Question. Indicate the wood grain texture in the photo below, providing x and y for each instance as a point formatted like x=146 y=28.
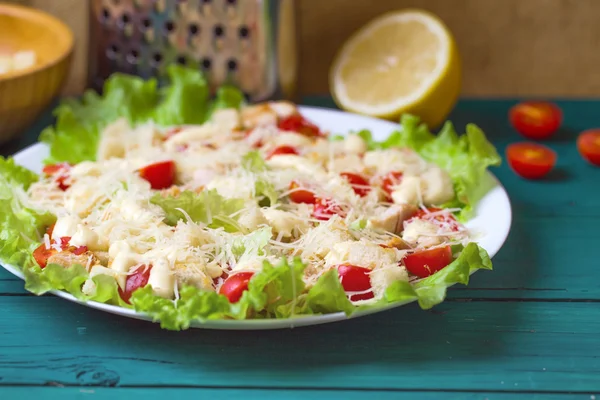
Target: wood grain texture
x=482 y=346
x=96 y=393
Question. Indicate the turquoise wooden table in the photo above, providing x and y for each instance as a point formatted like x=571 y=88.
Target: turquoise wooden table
x=529 y=329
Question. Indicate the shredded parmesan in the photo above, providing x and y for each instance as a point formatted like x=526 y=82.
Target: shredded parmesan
x=109 y=197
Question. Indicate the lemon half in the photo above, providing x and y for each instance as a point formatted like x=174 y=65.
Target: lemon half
x=401 y=62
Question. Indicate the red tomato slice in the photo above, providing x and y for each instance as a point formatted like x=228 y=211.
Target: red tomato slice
x=282 y=150
x=42 y=254
x=326 y=208
x=297 y=123
x=235 y=286
x=61 y=171
x=428 y=262
x=588 y=144
x=355 y=279
x=301 y=195
x=536 y=119
x=135 y=280
x=391 y=179
x=359 y=184
x=530 y=160
x=161 y=175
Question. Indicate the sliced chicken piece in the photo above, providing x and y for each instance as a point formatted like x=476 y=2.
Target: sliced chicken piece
x=257 y=115
x=102 y=257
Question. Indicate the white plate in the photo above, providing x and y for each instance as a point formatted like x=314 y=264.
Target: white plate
x=492 y=222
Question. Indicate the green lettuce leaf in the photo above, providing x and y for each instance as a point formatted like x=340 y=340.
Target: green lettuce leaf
x=328 y=296
x=207 y=207
x=466 y=157
x=192 y=305
x=21 y=227
x=185 y=100
x=253 y=243
x=253 y=162
x=227 y=97
x=273 y=291
x=71 y=279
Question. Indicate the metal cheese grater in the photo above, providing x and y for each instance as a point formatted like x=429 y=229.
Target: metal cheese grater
x=249 y=43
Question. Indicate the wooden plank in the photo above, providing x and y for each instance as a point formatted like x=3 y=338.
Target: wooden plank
x=95 y=393
x=487 y=346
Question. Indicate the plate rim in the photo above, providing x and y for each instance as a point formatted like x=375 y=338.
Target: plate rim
x=264 y=324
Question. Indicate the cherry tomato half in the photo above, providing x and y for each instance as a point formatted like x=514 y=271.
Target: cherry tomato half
x=235 y=286
x=391 y=179
x=60 y=172
x=588 y=144
x=355 y=279
x=282 y=150
x=135 y=280
x=326 y=208
x=41 y=254
x=297 y=123
x=161 y=175
x=536 y=119
x=530 y=160
x=359 y=184
x=428 y=262
x=299 y=195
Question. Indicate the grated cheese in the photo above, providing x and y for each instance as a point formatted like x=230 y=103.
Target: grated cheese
x=107 y=204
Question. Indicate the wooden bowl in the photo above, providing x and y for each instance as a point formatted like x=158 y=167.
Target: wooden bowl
x=26 y=93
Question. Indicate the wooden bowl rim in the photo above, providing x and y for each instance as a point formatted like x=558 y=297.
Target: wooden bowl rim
x=50 y=22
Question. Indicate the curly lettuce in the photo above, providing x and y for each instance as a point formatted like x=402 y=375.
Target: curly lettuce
x=185 y=100
x=264 y=190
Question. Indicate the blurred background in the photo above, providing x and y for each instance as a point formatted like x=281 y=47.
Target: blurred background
x=510 y=48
